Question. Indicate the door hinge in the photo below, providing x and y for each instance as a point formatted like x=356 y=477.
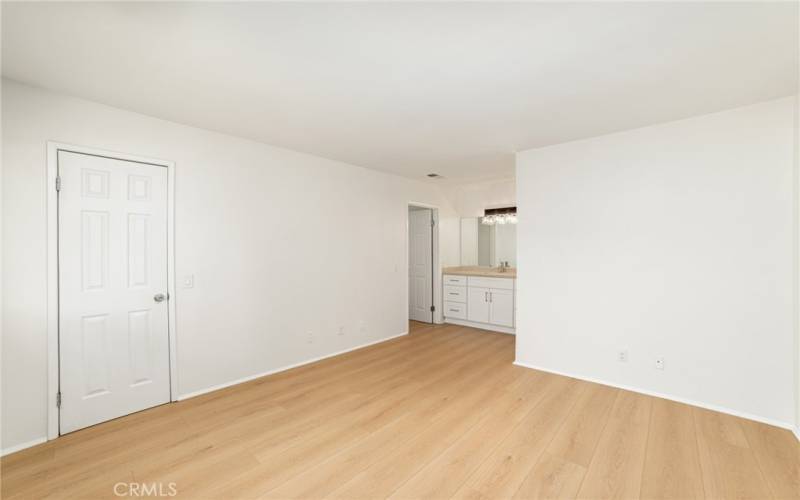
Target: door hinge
x=58 y=399
x=433 y=308
x=58 y=183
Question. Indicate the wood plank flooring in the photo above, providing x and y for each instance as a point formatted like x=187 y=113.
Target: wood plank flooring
x=440 y=413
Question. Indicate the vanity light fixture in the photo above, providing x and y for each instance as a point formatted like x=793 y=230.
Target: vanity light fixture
x=506 y=215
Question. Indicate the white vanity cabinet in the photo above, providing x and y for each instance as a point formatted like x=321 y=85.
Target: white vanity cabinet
x=491 y=305
x=455 y=297
x=501 y=308
x=478 y=304
x=479 y=301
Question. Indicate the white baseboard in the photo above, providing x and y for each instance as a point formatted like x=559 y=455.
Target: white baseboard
x=481 y=326
x=797 y=433
x=22 y=446
x=283 y=368
x=699 y=404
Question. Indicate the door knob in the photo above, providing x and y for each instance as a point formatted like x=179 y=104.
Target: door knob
x=159 y=297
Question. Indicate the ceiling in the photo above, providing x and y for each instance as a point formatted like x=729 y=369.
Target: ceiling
x=409 y=88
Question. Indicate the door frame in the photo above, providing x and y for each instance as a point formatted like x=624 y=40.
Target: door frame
x=437 y=266
x=53 y=356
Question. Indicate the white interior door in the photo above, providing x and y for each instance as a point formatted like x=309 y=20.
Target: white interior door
x=112 y=247
x=420 y=265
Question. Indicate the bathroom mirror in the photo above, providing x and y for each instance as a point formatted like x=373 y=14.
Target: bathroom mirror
x=487 y=245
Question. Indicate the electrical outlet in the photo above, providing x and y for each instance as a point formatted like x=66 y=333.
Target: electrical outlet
x=341 y=330
x=659 y=363
x=310 y=337
x=188 y=281
x=622 y=356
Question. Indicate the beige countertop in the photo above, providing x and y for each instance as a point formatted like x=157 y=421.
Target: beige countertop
x=492 y=272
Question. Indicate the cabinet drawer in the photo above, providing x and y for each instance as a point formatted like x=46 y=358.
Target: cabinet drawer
x=452 y=279
x=455 y=310
x=500 y=283
x=455 y=293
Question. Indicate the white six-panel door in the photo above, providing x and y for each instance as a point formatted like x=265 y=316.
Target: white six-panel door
x=112 y=261
x=420 y=265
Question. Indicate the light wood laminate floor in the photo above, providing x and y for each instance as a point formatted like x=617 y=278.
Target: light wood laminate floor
x=440 y=413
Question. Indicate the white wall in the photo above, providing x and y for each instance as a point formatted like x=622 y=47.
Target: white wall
x=469 y=241
x=280 y=243
x=797 y=262
x=469 y=199
x=674 y=240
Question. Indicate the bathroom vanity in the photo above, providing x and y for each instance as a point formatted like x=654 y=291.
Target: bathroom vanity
x=480 y=297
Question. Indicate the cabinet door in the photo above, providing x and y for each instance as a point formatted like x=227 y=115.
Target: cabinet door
x=478 y=304
x=501 y=307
